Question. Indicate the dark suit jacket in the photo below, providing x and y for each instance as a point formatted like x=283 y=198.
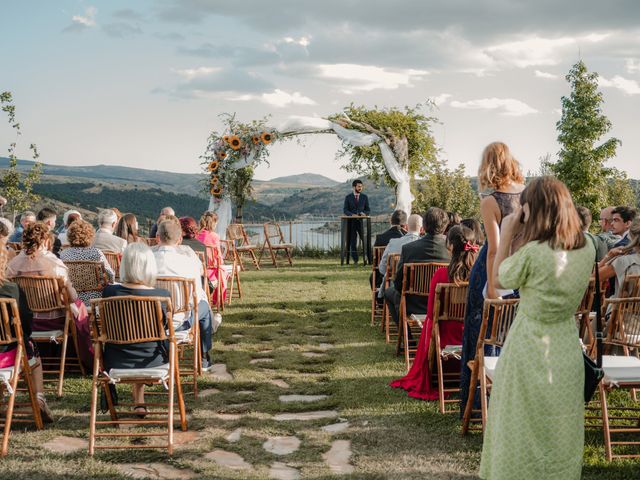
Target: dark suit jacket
x=350 y=207
x=430 y=248
x=623 y=242
x=382 y=239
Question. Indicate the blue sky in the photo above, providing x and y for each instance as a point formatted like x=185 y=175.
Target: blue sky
x=142 y=83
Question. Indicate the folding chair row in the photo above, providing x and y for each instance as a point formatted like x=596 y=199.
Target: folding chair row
x=377 y=307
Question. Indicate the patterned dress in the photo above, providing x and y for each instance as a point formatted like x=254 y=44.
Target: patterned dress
x=535 y=426
x=87 y=254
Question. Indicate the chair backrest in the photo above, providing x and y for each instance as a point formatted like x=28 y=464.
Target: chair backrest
x=235 y=231
x=273 y=233
x=183 y=293
x=392 y=266
x=377 y=255
x=497 y=316
x=10 y=328
x=450 y=302
x=87 y=276
x=625 y=322
x=587 y=299
x=17 y=246
x=211 y=257
x=630 y=286
x=114 y=260
x=417 y=277
x=131 y=319
x=43 y=293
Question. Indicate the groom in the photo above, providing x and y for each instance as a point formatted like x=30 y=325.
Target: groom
x=356 y=204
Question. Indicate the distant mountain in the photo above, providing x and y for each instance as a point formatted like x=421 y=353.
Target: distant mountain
x=312 y=179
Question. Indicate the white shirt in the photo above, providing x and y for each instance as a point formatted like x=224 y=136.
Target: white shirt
x=394 y=246
x=105 y=240
x=180 y=261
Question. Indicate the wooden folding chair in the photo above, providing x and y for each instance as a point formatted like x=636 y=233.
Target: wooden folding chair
x=87 y=276
x=583 y=315
x=388 y=327
x=44 y=295
x=497 y=316
x=128 y=320
x=11 y=334
x=239 y=242
x=621 y=372
x=376 y=307
x=17 y=246
x=274 y=242
x=416 y=281
x=114 y=260
x=450 y=305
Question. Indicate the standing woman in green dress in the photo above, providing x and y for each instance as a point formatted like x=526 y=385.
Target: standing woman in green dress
x=535 y=426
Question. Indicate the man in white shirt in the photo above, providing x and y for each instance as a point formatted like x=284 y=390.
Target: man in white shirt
x=173 y=261
x=414 y=225
x=105 y=240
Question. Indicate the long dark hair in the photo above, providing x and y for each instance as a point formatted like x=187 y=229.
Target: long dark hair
x=464 y=251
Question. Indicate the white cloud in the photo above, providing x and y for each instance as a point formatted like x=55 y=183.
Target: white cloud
x=505 y=106
x=629 y=87
x=368 y=77
x=278 y=98
x=540 y=74
x=88 y=19
x=191 y=73
x=632 y=65
x=440 y=99
x=302 y=41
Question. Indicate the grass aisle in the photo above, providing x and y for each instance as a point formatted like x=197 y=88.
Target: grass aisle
x=302 y=331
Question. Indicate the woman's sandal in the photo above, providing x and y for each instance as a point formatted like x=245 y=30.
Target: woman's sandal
x=142 y=411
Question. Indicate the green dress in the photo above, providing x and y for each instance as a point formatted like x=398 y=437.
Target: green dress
x=535 y=427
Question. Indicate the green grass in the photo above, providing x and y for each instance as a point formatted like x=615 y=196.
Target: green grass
x=286 y=312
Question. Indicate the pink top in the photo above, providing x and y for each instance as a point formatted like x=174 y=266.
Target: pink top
x=210 y=238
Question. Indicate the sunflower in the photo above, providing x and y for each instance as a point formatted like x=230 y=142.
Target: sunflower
x=221 y=154
x=266 y=138
x=213 y=165
x=235 y=142
x=216 y=191
x=256 y=139
x=214 y=180
x=225 y=138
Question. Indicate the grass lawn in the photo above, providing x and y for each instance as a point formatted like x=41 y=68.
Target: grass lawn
x=315 y=307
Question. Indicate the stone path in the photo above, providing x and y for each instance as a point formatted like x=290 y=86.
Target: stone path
x=338 y=457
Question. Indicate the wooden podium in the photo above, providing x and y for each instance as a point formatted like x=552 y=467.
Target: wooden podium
x=347 y=223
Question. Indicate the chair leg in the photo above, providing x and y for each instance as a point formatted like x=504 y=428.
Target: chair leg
x=9 y=411
x=181 y=406
x=254 y=259
x=405 y=333
x=28 y=380
x=438 y=356
x=606 y=428
x=173 y=373
x=483 y=398
x=468 y=409
x=273 y=256
x=94 y=407
x=288 y=251
x=63 y=358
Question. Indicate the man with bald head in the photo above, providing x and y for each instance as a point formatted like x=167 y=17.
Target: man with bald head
x=606 y=235
x=165 y=212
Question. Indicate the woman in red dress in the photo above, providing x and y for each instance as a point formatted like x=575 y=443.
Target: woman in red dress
x=208 y=236
x=462 y=244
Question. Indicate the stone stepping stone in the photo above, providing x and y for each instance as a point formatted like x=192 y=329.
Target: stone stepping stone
x=228 y=416
x=281 y=445
x=304 y=416
x=234 y=436
x=237 y=335
x=64 y=444
x=236 y=406
x=260 y=360
x=184 y=438
x=278 y=382
x=265 y=350
x=245 y=392
x=280 y=471
x=317 y=337
x=208 y=392
x=337 y=458
x=313 y=354
x=228 y=459
x=301 y=398
x=156 y=471
x=326 y=346
x=336 y=427
x=219 y=372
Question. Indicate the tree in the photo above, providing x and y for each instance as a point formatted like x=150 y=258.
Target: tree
x=450 y=190
x=18 y=187
x=582 y=159
x=619 y=189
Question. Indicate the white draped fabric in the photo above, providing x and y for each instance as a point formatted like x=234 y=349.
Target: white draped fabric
x=299 y=125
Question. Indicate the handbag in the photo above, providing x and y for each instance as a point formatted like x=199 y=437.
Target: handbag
x=593 y=371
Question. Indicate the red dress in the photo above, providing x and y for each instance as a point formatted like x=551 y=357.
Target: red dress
x=418 y=382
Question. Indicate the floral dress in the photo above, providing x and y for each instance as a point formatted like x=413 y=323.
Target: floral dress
x=535 y=426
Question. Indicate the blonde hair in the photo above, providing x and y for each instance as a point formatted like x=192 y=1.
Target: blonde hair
x=498 y=168
x=208 y=221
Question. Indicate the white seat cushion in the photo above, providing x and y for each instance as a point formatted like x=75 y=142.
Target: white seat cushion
x=490 y=364
x=452 y=351
x=47 y=334
x=5 y=374
x=621 y=369
x=183 y=336
x=160 y=372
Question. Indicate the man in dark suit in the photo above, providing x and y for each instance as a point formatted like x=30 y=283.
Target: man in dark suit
x=621 y=218
x=356 y=204
x=397 y=230
x=430 y=248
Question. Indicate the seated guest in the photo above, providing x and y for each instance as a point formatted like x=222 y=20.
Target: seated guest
x=454 y=219
x=621 y=218
x=464 y=250
x=175 y=262
x=606 y=227
x=36 y=259
x=138 y=272
x=585 y=220
x=105 y=240
x=166 y=211
x=189 y=234
x=6 y=229
x=80 y=235
x=398 y=229
x=395 y=244
x=69 y=217
x=127 y=228
x=49 y=216
x=430 y=248
x=11 y=290
x=208 y=236
x=474 y=225
x=622 y=261
x=26 y=218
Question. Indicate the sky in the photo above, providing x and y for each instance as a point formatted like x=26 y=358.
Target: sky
x=143 y=83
